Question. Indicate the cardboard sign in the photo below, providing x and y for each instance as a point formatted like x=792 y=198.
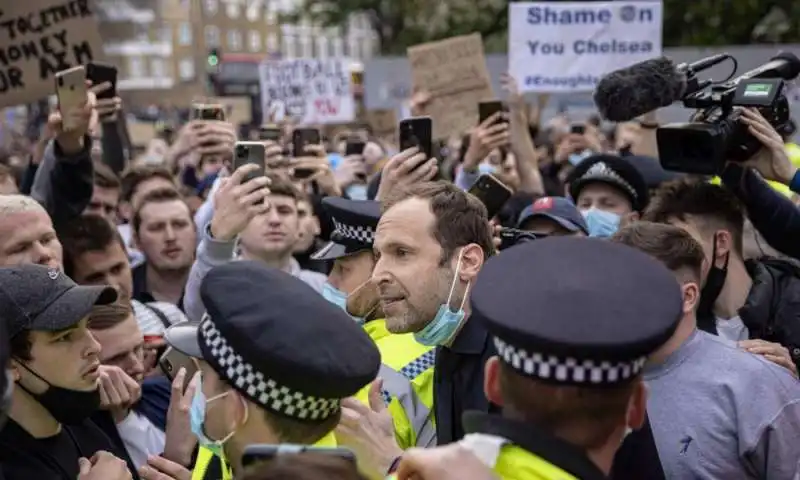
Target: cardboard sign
x=308 y=91
x=39 y=38
x=237 y=109
x=454 y=72
x=383 y=121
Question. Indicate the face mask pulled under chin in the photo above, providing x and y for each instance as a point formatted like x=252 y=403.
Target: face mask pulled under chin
x=715 y=282
x=445 y=325
x=69 y=407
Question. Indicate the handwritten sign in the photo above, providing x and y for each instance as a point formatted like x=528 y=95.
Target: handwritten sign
x=310 y=91
x=39 y=38
x=568 y=46
x=454 y=72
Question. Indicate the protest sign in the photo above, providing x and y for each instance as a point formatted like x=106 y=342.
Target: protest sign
x=308 y=91
x=454 y=72
x=567 y=47
x=39 y=38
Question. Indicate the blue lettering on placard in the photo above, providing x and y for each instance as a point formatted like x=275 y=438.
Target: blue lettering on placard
x=546 y=48
x=574 y=81
x=557 y=16
x=591 y=47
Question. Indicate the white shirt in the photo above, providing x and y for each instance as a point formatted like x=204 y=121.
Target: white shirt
x=141 y=438
x=732 y=329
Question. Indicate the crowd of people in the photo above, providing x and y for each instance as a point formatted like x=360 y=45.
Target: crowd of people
x=170 y=315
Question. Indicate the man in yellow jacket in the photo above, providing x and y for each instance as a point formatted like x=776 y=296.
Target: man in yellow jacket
x=407 y=366
x=275 y=360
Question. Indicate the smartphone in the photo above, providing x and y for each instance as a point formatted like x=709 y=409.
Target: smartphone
x=491 y=192
x=101 y=73
x=202 y=111
x=302 y=137
x=172 y=361
x=577 y=128
x=512 y=236
x=250 y=153
x=354 y=147
x=262 y=452
x=71 y=92
x=487 y=109
x=417 y=132
x=270 y=133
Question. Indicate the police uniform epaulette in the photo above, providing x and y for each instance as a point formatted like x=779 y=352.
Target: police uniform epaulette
x=278 y=342
x=354 y=224
x=577 y=311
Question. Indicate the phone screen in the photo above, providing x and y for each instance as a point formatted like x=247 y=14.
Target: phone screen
x=417 y=132
x=577 y=128
x=487 y=109
x=354 y=147
x=491 y=192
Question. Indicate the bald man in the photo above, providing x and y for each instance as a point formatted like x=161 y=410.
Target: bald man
x=27 y=234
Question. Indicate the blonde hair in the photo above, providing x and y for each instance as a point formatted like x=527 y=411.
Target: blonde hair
x=16 y=203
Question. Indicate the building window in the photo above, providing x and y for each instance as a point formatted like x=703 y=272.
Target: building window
x=212 y=36
x=212 y=6
x=136 y=67
x=322 y=46
x=254 y=41
x=232 y=10
x=338 y=47
x=157 y=68
x=166 y=34
x=186 y=69
x=271 y=11
x=253 y=10
x=235 y=40
x=289 y=43
x=272 y=43
x=306 y=45
x=185 y=34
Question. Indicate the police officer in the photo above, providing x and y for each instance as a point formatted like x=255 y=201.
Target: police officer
x=276 y=360
x=573 y=320
x=407 y=365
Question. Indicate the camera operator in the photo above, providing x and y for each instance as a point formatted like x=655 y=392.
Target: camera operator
x=773 y=215
x=753 y=302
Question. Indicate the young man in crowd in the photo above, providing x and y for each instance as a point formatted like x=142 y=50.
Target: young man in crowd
x=553 y=216
x=607 y=189
x=105 y=194
x=163 y=230
x=56 y=367
x=754 y=302
x=27 y=234
x=705 y=421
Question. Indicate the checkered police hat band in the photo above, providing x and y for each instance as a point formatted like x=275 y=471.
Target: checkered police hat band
x=265 y=391
x=601 y=171
x=358 y=233
x=565 y=369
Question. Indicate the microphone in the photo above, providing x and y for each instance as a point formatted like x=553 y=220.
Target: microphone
x=630 y=92
x=784 y=65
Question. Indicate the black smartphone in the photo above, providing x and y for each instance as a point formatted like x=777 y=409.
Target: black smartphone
x=202 y=111
x=487 y=109
x=491 y=192
x=302 y=137
x=270 y=133
x=245 y=153
x=417 y=132
x=577 y=128
x=99 y=73
x=354 y=147
x=512 y=236
x=262 y=452
x=172 y=361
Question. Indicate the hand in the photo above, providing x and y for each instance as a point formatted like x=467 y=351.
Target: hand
x=406 y=168
x=774 y=352
x=118 y=391
x=369 y=432
x=237 y=202
x=351 y=170
x=159 y=468
x=273 y=156
x=316 y=161
x=453 y=462
x=571 y=143
x=179 y=443
x=108 y=108
x=516 y=101
x=772 y=161
x=103 y=466
x=215 y=138
x=496 y=239
x=490 y=134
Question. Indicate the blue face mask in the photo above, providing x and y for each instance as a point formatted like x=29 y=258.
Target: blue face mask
x=357 y=191
x=443 y=327
x=197 y=417
x=601 y=224
x=339 y=298
x=576 y=158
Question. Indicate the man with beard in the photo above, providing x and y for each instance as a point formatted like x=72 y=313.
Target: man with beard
x=55 y=365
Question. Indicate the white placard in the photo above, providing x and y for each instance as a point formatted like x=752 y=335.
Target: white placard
x=567 y=47
x=309 y=91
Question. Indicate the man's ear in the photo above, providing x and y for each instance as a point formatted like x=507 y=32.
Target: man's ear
x=471 y=262
x=691 y=297
x=725 y=242
x=491 y=381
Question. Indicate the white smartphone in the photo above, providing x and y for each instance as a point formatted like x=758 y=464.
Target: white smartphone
x=71 y=92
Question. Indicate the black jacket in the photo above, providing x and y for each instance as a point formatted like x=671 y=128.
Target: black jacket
x=772 y=309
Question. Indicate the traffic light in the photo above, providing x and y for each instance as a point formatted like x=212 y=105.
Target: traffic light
x=213 y=59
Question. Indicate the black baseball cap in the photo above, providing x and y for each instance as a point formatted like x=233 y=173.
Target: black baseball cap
x=35 y=297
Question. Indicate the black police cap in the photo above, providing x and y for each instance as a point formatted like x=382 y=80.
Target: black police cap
x=611 y=170
x=577 y=311
x=354 y=223
x=278 y=342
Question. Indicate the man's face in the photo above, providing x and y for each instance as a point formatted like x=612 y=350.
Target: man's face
x=273 y=233
x=603 y=197
x=351 y=275
x=407 y=272
x=166 y=235
x=67 y=358
x=29 y=237
x=308 y=226
x=105 y=267
x=549 y=227
x=123 y=346
x=104 y=202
